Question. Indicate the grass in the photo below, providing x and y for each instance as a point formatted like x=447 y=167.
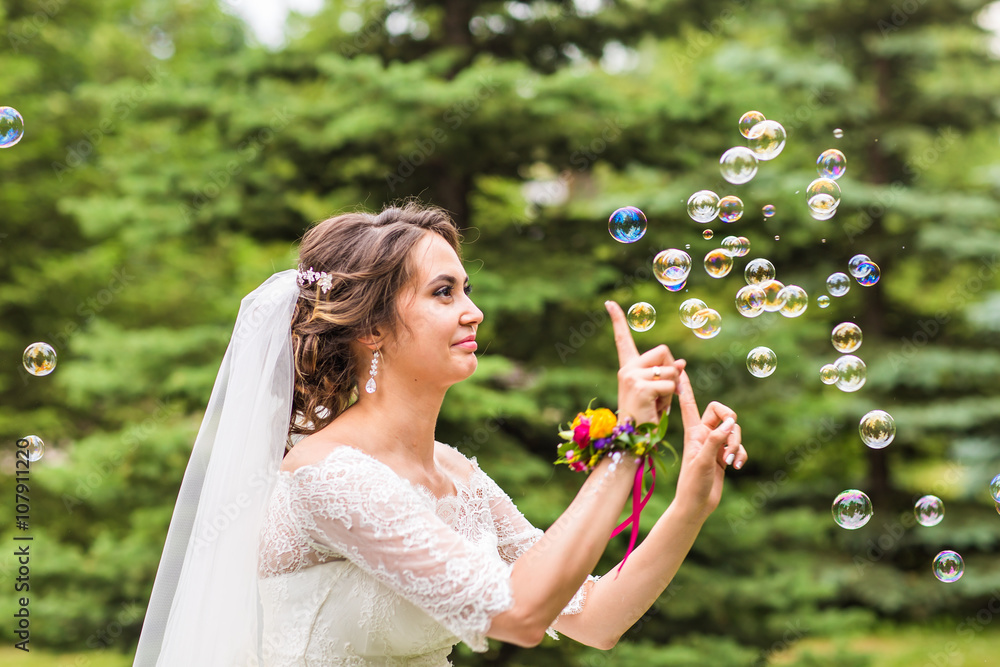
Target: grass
x=12 y=657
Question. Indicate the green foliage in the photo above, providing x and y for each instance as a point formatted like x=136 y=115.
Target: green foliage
x=151 y=192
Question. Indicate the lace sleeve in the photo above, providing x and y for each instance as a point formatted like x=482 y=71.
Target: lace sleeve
x=359 y=508
x=515 y=535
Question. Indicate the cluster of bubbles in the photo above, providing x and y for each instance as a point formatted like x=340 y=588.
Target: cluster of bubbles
x=11 y=127
x=39 y=359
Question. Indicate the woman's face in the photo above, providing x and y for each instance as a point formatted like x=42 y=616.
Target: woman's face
x=435 y=341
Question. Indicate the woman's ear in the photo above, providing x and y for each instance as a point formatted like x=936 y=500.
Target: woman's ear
x=372 y=340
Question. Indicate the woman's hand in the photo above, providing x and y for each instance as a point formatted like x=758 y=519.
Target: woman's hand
x=711 y=442
x=647 y=381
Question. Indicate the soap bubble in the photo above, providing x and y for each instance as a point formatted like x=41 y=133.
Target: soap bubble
x=738 y=165
x=948 y=566
x=858 y=265
x=768 y=210
x=838 y=133
x=761 y=361
x=730 y=208
x=794 y=300
x=877 y=429
x=703 y=206
x=675 y=287
x=750 y=300
x=823 y=195
x=641 y=316
x=748 y=120
x=852 y=509
x=707 y=234
x=995 y=488
x=773 y=296
x=758 y=270
x=929 y=511
x=11 y=127
x=627 y=224
x=829 y=374
x=870 y=274
x=690 y=310
x=743 y=248
x=711 y=326
x=718 y=263
x=846 y=337
x=838 y=284
x=823 y=301
x=736 y=246
x=33 y=446
x=766 y=139
x=777 y=238
x=822 y=214
x=831 y=164
x=39 y=359
x=671 y=267
x=851 y=373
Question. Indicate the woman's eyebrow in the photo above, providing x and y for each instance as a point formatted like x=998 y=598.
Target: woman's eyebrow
x=447 y=278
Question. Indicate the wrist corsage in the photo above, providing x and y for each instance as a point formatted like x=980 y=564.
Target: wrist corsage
x=596 y=434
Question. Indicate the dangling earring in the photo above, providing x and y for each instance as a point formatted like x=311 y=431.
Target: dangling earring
x=373 y=371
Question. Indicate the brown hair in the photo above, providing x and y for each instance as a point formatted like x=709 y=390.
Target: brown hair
x=369 y=260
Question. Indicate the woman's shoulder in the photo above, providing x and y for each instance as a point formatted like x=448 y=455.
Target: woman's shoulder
x=314 y=451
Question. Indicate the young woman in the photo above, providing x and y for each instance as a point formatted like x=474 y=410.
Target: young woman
x=379 y=545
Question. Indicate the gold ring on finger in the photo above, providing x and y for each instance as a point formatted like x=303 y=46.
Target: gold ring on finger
x=656 y=372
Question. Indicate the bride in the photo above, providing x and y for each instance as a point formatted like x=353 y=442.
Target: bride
x=367 y=542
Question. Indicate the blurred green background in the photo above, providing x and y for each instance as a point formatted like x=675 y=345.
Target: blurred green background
x=170 y=163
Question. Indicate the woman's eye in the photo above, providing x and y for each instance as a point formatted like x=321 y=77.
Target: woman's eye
x=468 y=289
x=444 y=291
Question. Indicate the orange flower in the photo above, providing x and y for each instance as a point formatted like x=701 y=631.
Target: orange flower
x=602 y=423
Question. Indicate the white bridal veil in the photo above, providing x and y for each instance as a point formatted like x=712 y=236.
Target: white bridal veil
x=204 y=609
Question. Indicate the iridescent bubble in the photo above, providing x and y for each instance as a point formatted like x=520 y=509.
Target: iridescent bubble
x=846 y=337
x=33 y=446
x=736 y=246
x=768 y=210
x=948 y=566
x=641 y=316
x=852 y=509
x=929 y=511
x=851 y=373
x=823 y=195
x=877 y=429
x=748 y=120
x=766 y=139
x=995 y=488
x=750 y=300
x=831 y=163
x=823 y=301
x=707 y=234
x=738 y=165
x=856 y=265
x=777 y=238
x=829 y=374
x=871 y=274
x=11 y=127
x=761 y=361
x=773 y=295
x=718 y=263
x=703 y=206
x=822 y=215
x=711 y=326
x=838 y=133
x=676 y=287
x=671 y=267
x=627 y=224
x=838 y=284
x=758 y=270
x=39 y=359
x=794 y=300
x=730 y=208
x=690 y=310
x=743 y=248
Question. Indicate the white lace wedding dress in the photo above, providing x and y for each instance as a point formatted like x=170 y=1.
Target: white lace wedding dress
x=358 y=566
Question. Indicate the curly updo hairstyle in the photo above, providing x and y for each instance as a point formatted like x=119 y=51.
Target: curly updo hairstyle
x=369 y=258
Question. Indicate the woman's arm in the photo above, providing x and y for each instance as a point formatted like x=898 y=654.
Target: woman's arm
x=615 y=603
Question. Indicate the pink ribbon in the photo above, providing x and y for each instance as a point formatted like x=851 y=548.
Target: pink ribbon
x=638 y=503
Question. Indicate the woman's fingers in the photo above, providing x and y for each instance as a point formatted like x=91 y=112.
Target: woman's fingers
x=733 y=453
x=689 y=406
x=716 y=413
x=623 y=335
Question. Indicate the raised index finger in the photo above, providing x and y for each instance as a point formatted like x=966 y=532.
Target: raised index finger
x=690 y=416
x=623 y=335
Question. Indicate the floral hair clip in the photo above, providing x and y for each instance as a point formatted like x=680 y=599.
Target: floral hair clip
x=321 y=278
